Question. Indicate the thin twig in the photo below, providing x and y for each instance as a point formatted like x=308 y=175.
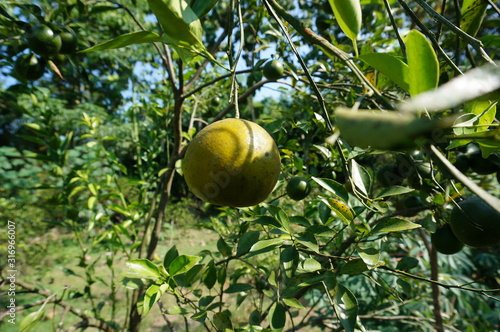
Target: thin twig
x=474 y=42
x=331 y=50
x=429 y=35
x=395 y=27
x=494 y=6
x=484 y=292
x=321 y=100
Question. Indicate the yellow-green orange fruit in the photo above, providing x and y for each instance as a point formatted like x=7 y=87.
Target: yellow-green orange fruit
x=232 y=162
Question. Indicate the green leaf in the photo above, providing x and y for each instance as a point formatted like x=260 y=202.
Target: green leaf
x=38 y=156
x=423 y=65
x=223 y=247
x=222 y=322
x=301 y=281
x=120 y=209
x=333 y=187
x=210 y=277
x=247 y=240
x=182 y=28
x=485 y=112
x=405 y=286
x=294 y=303
x=340 y=208
x=360 y=177
x=142 y=268
x=481 y=82
x=202 y=7
x=92 y=200
x=393 y=191
x=309 y=265
x=93 y=189
x=277 y=314
x=76 y=190
x=238 y=287
x=488 y=147
x=267 y=220
x=346 y=307
x=391 y=66
x=407 y=263
x=31 y=321
x=126 y=40
x=152 y=295
x=200 y=316
x=171 y=254
x=348 y=15
x=369 y=255
x=265 y=246
x=289 y=258
x=182 y=264
x=33 y=139
x=280 y=216
x=355 y=266
x=472 y=15
x=308 y=240
x=394 y=225
x=176 y=310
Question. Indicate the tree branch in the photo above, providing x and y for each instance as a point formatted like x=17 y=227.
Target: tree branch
x=313 y=39
x=484 y=292
x=434 y=276
x=90 y=321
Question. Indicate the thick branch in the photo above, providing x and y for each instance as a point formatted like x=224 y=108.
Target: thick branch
x=436 y=293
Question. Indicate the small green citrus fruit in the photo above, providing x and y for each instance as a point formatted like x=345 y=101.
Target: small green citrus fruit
x=29 y=67
x=44 y=41
x=273 y=70
x=69 y=41
x=298 y=188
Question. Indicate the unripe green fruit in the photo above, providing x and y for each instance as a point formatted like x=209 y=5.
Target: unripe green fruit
x=475 y=223
x=445 y=241
x=298 y=188
x=273 y=70
x=29 y=67
x=462 y=163
x=69 y=41
x=44 y=41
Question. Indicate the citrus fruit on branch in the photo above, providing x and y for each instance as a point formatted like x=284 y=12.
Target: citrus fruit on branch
x=445 y=241
x=232 y=162
x=475 y=223
x=44 y=41
x=29 y=67
x=298 y=188
x=69 y=41
x=273 y=70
